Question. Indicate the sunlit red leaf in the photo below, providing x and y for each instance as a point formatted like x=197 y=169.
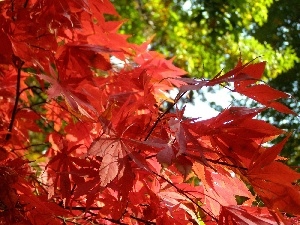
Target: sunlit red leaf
x=111 y=150
x=216 y=185
x=74 y=103
x=274 y=183
x=235 y=215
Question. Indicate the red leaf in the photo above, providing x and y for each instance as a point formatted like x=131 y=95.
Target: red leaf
x=215 y=185
x=74 y=103
x=177 y=128
x=230 y=76
x=104 y=7
x=269 y=155
x=112 y=150
x=255 y=70
x=39 y=210
x=236 y=215
x=183 y=165
x=165 y=154
x=273 y=183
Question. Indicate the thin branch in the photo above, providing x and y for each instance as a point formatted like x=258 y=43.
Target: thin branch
x=65 y=220
x=143 y=221
x=226 y=164
x=82 y=208
x=30 y=146
x=114 y=221
x=183 y=193
x=12 y=10
x=25 y=3
x=18 y=64
x=162 y=115
x=31 y=88
x=31 y=106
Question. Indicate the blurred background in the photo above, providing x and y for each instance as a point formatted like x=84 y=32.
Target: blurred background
x=206 y=36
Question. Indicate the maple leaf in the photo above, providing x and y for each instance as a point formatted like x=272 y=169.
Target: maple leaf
x=111 y=149
x=239 y=121
x=74 y=103
x=245 y=78
x=215 y=186
x=245 y=82
x=162 y=71
x=268 y=155
x=165 y=154
x=264 y=172
x=233 y=74
x=83 y=57
x=173 y=200
x=265 y=95
x=103 y=7
x=38 y=210
x=235 y=136
x=62 y=163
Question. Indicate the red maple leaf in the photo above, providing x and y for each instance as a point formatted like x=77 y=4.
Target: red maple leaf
x=112 y=150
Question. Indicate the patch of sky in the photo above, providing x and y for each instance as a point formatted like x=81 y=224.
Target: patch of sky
x=202 y=106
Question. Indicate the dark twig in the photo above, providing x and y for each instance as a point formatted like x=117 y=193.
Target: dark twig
x=25 y=3
x=185 y=194
x=226 y=164
x=163 y=114
x=13 y=9
x=109 y=219
x=142 y=221
x=82 y=208
x=18 y=64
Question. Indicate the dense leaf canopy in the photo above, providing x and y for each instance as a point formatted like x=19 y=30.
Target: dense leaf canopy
x=108 y=151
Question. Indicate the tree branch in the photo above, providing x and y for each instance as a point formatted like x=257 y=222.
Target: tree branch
x=18 y=63
x=82 y=208
x=142 y=221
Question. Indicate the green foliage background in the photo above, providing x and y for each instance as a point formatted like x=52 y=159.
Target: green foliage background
x=205 y=35
x=281 y=30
